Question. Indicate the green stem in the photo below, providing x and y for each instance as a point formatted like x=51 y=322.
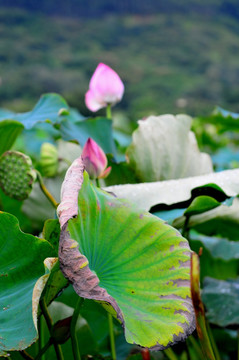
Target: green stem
x=44 y=349
x=185 y=231
x=203 y=336
x=45 y=191
x=108 y=112
x=196 y=347
x=59 y=354
x=170 y=354
x=46 y=314
x=97 y=181
x=112 y=338
x=74 y=342
x=41 y=336
x=213 y=343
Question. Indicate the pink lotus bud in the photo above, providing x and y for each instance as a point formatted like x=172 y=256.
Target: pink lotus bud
x=95 y=160
x=105 y=88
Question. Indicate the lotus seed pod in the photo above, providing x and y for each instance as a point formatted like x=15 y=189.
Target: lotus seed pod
x=16 y=174
x=49 y=160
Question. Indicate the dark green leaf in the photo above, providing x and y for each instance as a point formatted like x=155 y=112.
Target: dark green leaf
x=47 y=109
x=51 y=232
x=222 y=301
x=201 y=204
x=21 y=266
x=99 y=129
x=9 y=131
x=222 y=221
x=217 y=257
x=55 y=284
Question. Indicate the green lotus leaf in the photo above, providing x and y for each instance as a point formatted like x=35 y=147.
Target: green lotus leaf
x=56 y=282
x=51 y=232
x=22 y=279
x=222 y=221
x=127 y=258
x=49 y=108
x=147 y=195
x=164 y=148
x=201 y=204
x=16 y=174
x=9 y=130
x=222 y=301
x=219 y=256
x=99 y=129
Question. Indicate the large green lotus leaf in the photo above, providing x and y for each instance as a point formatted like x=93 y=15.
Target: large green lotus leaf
x=222 y=221
x=9 y=131
x=147 y=195
x=222 y=301
x=113 y=252
x=99 y=129
x=22 y=279
x=164 y=148
x=48 y=108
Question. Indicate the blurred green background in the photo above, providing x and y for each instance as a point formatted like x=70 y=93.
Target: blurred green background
x=174 y=57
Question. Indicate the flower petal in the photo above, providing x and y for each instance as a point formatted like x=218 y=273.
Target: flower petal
x=94 y=158
x=92 y=103
x=106 y=87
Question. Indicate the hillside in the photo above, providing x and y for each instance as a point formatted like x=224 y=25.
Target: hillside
x=170 y=62
x=96 y=8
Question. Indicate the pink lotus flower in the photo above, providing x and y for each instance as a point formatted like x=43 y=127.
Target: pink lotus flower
x=95 y=160
x=105 y=88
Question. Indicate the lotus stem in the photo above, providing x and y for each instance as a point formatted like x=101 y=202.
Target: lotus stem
x=196 y=347
x=206 y=345
x=145 y=354
x=74 y=342
x=108 y=112
x=97 y=181
x=170 y=354
x=45 y=191
x=185 y=230
x=41 y=336
x=44 y=349
x=214 y=345
x=112 y=337
x=49 y=323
